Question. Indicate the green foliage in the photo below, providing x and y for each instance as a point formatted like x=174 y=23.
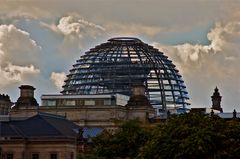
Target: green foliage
x=124 y=143
x=88 y=156
x=181 y=137
x=185 y=136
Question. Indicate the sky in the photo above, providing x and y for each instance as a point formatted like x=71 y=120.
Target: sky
x=41 y=40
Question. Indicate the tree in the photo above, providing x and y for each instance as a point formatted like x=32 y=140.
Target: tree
x=89 y=156
x=194 y=136
x=191 y=135
x=231 y=143
x=124 y=143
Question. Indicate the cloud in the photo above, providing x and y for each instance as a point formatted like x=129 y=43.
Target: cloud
x=58 y=79
x=74 y=28
x=76 y=34
x=205 y=66
x=15 y=46
x=223 y=38
x=15 y=74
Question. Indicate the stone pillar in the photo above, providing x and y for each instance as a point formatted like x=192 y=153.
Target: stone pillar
x=138 y=97
x=138 y=105
x=138 y=89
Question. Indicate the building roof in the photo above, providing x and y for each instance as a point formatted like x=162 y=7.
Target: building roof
x=89 y=132
x=44 y=125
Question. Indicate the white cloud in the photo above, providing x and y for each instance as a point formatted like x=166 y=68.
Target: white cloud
x=73 y=27
x=16 y=74
x=222 y=38
x=205 y=66
x=58 y=79
x=76 y=33
x=15 y=46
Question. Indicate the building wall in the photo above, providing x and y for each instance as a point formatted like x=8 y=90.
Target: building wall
x=141 y=113
x=97 y=116
x=16 y=148
x=24 y=150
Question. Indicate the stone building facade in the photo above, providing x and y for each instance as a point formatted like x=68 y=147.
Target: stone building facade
x=89 y=110
x=43 y=136
x=39 y=149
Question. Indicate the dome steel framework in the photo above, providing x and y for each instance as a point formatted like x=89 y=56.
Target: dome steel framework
x=113 y=67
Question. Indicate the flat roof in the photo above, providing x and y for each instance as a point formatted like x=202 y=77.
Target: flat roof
x=60 y=96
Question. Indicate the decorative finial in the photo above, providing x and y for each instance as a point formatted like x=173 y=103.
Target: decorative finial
x=234 y=114
x=212 y=112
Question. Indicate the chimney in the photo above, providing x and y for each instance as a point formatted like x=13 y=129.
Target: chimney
x=26 y=96
x=26 y=91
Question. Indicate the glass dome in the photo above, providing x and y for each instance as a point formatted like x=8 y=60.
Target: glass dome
x=113 y=67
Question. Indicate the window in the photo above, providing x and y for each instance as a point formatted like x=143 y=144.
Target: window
x=107 y=101
x=70 y=102
x=49 y=102
x=89 y=102
x=9 y=156
x=35 y=156
x=53 y=156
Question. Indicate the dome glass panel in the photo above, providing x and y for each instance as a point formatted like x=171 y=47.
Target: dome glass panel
x=113 y=67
